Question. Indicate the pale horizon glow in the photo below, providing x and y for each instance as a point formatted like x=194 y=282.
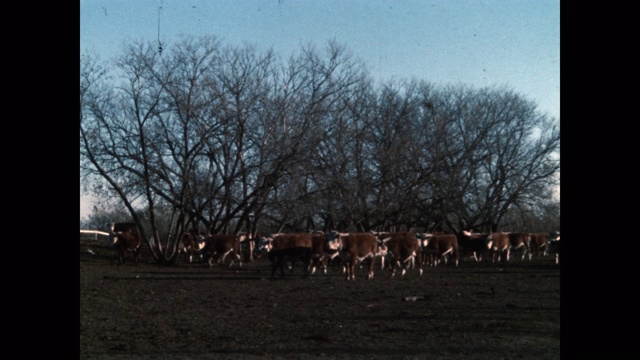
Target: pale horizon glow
x=476 y=43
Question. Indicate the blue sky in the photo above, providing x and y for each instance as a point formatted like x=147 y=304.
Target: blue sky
x=478 y=43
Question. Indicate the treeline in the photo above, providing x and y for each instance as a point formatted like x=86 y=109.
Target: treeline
x=232 y=138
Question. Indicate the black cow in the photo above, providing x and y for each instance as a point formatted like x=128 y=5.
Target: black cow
x=292 y=247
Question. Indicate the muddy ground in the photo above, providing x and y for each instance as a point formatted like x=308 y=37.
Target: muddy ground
x=189 y=311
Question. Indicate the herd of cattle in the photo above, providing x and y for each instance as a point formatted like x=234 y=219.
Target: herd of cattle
x=397 y=251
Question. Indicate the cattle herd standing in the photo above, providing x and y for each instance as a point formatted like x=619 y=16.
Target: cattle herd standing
x=400 y=251
x=397 y=251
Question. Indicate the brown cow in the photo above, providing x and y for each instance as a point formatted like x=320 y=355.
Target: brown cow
x=403 y=249
x=499 y=246
x=126 y=237
x=382 y=254
x=520 y=242
x=436 y=248
x=539 y=244
x=293 y=247
x=192 y=244
x=354 y=248
x=321 y=253
x=220 y=246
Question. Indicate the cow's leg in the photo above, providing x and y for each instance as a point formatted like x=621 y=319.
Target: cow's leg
x=274 y=267
x=409 y=263
x=120 y=256
x=136 y=255
x=394 y=265
x=371 y=264
x=279 y=265
x=347 y=270
x=306 y=261
x=316 y=261
x=353 y=269
x=351 y=266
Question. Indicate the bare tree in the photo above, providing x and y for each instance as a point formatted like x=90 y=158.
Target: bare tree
x=170 y=136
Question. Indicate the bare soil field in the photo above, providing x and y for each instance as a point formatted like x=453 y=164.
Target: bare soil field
x=192 y=311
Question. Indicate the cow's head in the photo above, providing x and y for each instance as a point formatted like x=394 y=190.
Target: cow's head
x=114 y=237
x=334 y=240
x=186 y=242
x=263 y=245
x=488 y=241
x=382 y=249
x=423 y=239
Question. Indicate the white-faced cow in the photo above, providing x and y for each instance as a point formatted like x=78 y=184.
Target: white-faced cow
x=539 y=244
x=192 y=244
x=354 y=248
x=435 y=248
x=293 y=247
x=473 y=244
x=403 y=249
x=321 y=253
x=520 y=242
x=126 y=237
x=263 y=246
x=554 y=245
x=219 y=247
x=383 y=252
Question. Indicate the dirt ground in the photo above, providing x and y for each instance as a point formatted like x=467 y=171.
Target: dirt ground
x=189 y=311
